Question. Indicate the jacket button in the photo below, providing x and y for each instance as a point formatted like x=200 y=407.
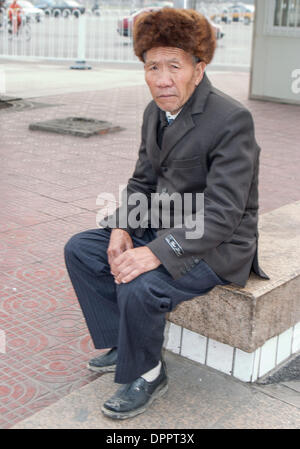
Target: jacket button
x=196 y=260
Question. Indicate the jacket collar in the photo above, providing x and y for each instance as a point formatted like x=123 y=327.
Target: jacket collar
x=198 y=99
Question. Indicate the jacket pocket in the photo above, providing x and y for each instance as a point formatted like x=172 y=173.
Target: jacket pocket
x=186 y=163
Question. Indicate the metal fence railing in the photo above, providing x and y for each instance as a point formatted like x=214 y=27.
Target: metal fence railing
x=105 y=35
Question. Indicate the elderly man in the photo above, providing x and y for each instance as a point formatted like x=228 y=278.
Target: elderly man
x=196 y=140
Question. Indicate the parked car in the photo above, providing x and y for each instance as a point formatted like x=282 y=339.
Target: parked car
x=238 y=12
x=223 y=16
x=242 y=12
x=125 y=25
x=61 y=7
x=31 y=12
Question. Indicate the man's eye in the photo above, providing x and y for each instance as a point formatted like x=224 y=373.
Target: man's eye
x=174 y=66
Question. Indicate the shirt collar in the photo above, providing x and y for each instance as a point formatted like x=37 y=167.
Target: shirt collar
x=170 y=116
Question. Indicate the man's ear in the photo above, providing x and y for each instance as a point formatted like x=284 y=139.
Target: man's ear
x=200 y=68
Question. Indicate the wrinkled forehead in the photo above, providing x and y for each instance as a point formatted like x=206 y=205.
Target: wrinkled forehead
x=166 y=54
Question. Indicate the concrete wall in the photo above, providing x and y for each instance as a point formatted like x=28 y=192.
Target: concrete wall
x=275 y=71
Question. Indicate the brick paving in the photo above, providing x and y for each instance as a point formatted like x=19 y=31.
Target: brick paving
x=49 y=184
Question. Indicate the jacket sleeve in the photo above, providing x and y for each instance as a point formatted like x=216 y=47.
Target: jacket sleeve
x=231 y=162
x=142 y=183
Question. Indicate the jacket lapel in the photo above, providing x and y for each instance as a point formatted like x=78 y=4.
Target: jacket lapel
x=152 y=148
x=174 y=133
x=184 y=122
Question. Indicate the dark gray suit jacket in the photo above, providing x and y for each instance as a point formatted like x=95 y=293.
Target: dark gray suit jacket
x=210 y=148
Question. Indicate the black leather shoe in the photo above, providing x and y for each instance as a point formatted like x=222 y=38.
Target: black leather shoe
x=134 y=398
x=104 y=363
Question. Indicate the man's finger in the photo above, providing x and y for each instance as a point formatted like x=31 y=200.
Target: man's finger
x=112 y=254
x=121 y=257
x=132 y=275
x=123 y=273
x=119 y=262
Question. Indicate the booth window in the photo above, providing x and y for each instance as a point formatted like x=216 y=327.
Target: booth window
x=287 y=13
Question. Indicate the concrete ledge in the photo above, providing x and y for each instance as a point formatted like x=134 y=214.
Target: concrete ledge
x=246 y=319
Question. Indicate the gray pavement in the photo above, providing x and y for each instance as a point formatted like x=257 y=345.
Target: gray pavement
x=198 y=397
x=38 y=79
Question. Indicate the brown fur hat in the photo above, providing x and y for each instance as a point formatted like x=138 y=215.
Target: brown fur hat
x=170 y=27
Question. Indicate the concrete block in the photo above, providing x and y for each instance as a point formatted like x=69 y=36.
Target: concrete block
x=193 y=346
x=246 y=318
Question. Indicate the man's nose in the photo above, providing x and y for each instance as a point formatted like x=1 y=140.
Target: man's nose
x=164 y=79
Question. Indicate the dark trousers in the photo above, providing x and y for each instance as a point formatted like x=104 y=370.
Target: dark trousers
x=130 y=316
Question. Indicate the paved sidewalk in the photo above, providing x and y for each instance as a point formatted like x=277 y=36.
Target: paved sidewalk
x=49 y=185
x=197 y=398
x=38 y=79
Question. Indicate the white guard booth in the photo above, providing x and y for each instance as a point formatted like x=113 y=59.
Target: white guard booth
x=275 y=71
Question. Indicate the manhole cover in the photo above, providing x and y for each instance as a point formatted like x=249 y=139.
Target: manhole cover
x=77 y=126
x=5 y=105
x=18 y=104
x=7 y=102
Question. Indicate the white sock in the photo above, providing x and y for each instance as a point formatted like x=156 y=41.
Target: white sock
x=151 y=375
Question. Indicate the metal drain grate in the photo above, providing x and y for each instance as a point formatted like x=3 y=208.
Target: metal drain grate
x=8 y=102
x=14 y=104
x=76 y=126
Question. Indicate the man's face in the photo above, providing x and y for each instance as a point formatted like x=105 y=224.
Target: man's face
x=172 y=76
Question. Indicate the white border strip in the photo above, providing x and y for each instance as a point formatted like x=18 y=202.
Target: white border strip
x=245 y=366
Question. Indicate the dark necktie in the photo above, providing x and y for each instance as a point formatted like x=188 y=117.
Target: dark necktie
x=162 y=125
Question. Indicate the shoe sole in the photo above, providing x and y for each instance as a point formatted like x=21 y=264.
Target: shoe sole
x=125 y=415
x=102 y=369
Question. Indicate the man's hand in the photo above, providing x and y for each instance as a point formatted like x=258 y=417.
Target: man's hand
x=133 y=262
x=119 y=242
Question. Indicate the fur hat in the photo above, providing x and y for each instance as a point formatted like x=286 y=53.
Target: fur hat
x=170 y=27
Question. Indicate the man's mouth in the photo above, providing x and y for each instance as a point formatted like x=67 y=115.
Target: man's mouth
x=166 y=96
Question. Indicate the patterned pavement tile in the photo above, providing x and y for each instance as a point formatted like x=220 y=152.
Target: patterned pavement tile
x=62 y=325
x=39 y=273
x=14 y=257
x=18 y=390
x=58 y=367
x=86 y=220
x=31 y=303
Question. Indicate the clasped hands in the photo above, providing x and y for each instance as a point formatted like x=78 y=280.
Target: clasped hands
x=127 y=262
